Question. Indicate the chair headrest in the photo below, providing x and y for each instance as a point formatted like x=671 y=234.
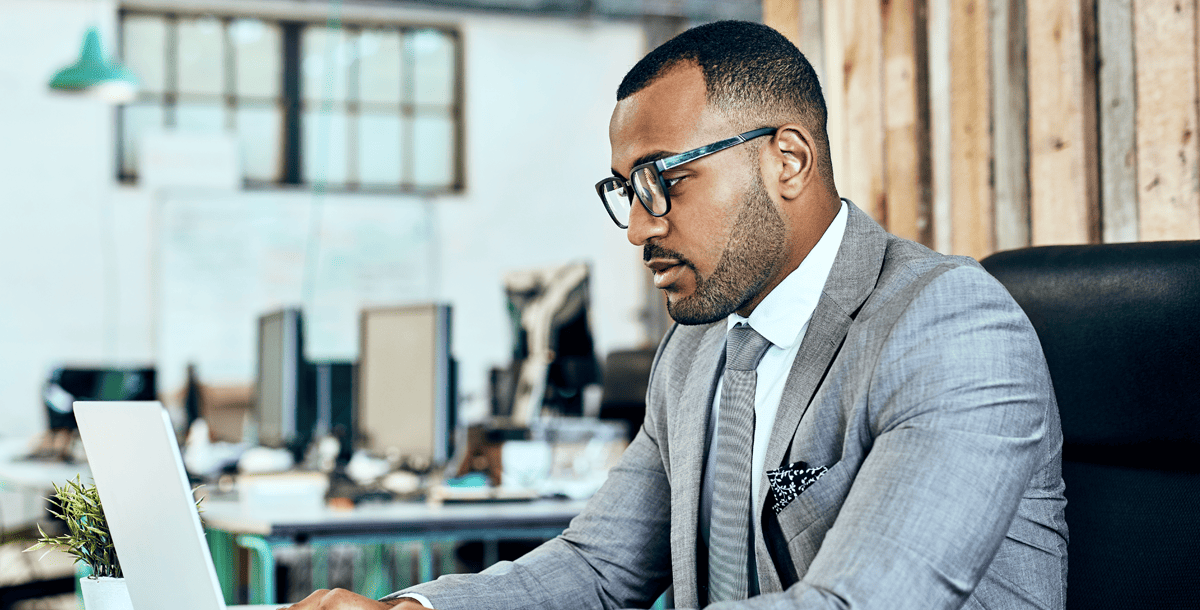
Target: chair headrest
x=1120 y=327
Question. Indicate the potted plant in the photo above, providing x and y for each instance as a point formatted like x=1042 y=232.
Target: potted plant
x=89 y=541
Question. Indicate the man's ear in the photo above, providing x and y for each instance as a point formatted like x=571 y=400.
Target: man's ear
x=793 y=153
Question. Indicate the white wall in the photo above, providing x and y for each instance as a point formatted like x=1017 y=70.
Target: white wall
x=82 y=279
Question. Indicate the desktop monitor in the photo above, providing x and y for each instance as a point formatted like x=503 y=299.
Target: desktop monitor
x=406 y=392
x=70 y=383
x=283 y=417
x=330 y=385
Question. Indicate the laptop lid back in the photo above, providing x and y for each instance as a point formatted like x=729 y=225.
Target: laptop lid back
x=135 y=461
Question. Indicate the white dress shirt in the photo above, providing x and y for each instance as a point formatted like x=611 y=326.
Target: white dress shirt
x=781 y=317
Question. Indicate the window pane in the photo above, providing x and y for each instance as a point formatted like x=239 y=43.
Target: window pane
x=259 y=141
x=324 y=147
x=379 y=66
x=136 y=121
x=326 y=63
x=257 y=50
x=201 y=56
x=379 y=149
x=433 y=65
x=433 y=157
x=144 y=41
x=200 y=117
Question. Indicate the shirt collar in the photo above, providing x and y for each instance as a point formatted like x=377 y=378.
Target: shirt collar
x=785 y=311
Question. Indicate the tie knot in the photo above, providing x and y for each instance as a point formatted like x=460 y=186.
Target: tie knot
x=744 y=348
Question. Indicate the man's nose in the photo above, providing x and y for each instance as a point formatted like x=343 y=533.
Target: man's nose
x=643 y=226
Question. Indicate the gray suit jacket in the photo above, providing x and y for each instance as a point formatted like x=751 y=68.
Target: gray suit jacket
x=922 y=387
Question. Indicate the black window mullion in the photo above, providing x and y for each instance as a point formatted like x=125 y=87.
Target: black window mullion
x=456 y=113
x=353 y=110
x=171 y=69
x=408 y=96
x=230 y=69
x=119 y=121
x=292 y=149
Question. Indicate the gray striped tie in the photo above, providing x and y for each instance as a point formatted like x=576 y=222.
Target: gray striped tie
x=729 y=530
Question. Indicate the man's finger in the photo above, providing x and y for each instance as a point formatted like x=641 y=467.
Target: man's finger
x=312 y=602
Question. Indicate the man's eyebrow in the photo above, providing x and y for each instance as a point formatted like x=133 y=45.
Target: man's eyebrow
x=646 y=158
x=654 y=156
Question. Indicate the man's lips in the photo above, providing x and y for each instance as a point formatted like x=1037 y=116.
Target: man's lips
x=660 y=264
x=666 y=270
x=667 y=265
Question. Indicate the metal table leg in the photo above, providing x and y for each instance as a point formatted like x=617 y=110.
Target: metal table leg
x=262 y=572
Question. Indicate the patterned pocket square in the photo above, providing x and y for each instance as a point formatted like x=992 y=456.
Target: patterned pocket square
x=791 y=481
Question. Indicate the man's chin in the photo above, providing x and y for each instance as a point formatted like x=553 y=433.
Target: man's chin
x=688 y=313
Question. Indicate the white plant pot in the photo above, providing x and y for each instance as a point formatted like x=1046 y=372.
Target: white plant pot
x=105 y=593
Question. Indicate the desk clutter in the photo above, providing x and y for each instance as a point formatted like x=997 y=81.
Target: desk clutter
x=385 y=426
x=321 y=467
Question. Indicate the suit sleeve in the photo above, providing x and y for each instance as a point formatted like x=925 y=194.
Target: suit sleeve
x=958 y=399
x=615 y=554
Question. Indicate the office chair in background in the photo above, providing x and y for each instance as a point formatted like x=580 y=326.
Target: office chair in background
x=1120 y=326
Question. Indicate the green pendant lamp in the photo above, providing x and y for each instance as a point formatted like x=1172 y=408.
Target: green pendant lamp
x=94 y=75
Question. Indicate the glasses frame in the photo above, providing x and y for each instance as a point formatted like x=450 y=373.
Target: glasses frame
x=666 y=163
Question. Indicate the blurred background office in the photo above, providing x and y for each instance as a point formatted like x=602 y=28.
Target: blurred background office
x=270 y=196
x=336 y=155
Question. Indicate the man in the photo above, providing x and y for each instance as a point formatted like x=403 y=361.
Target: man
x=841 y=418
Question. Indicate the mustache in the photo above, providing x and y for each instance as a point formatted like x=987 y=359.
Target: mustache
x=650 y=251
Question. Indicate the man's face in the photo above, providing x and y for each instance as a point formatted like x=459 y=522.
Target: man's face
x=724 y=240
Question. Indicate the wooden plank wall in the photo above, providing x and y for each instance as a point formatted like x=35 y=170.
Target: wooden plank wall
x=906 y=120
x=1010 y=122
x=1167 y=170
x=973 y=221
x=978 y=125
x=1062 y=124
x=1118 y=123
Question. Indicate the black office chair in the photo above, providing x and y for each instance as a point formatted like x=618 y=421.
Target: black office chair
x=1120 y=326
x=626 y=375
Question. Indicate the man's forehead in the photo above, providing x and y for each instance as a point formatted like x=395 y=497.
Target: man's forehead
x=670 y=114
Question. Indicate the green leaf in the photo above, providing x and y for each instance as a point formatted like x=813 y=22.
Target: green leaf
x=88 y=539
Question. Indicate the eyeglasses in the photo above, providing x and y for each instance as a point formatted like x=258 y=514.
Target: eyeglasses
x=648 y=183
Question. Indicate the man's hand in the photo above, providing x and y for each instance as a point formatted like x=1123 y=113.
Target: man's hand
x=341 y=599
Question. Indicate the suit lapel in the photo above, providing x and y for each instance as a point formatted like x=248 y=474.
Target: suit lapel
x=688 y=429
x=851 y=279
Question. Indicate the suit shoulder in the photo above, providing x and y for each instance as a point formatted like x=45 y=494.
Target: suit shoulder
x=908 y=267
x=907 y=259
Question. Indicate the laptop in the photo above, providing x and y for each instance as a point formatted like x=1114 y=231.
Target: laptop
x=135 y=461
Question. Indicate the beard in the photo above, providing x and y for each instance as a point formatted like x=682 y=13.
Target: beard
x=754 y=253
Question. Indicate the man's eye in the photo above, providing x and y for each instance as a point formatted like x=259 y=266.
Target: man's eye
x=671 y=182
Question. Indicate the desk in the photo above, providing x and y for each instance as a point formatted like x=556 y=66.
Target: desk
x=24 y=484
x=264 y=530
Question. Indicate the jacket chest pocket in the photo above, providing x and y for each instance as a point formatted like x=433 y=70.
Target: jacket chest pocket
x=800 y=527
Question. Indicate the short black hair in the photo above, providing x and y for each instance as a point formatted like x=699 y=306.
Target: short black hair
x=751 y=72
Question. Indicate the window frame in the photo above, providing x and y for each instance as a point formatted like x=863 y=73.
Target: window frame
x=292 y=104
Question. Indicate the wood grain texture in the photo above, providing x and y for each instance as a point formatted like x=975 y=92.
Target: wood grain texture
x=1062 y=134
x=863 y=66
x=939 y=123
x=970 y=125
x=835 y=91
x=800 y=21
x=784 y=17
x=1010 y=118
x=906 y=116
x=812 y=36
x=1118 y=122
x=1167 y=171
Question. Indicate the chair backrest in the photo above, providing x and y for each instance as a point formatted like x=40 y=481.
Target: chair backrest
x=1120 y=327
